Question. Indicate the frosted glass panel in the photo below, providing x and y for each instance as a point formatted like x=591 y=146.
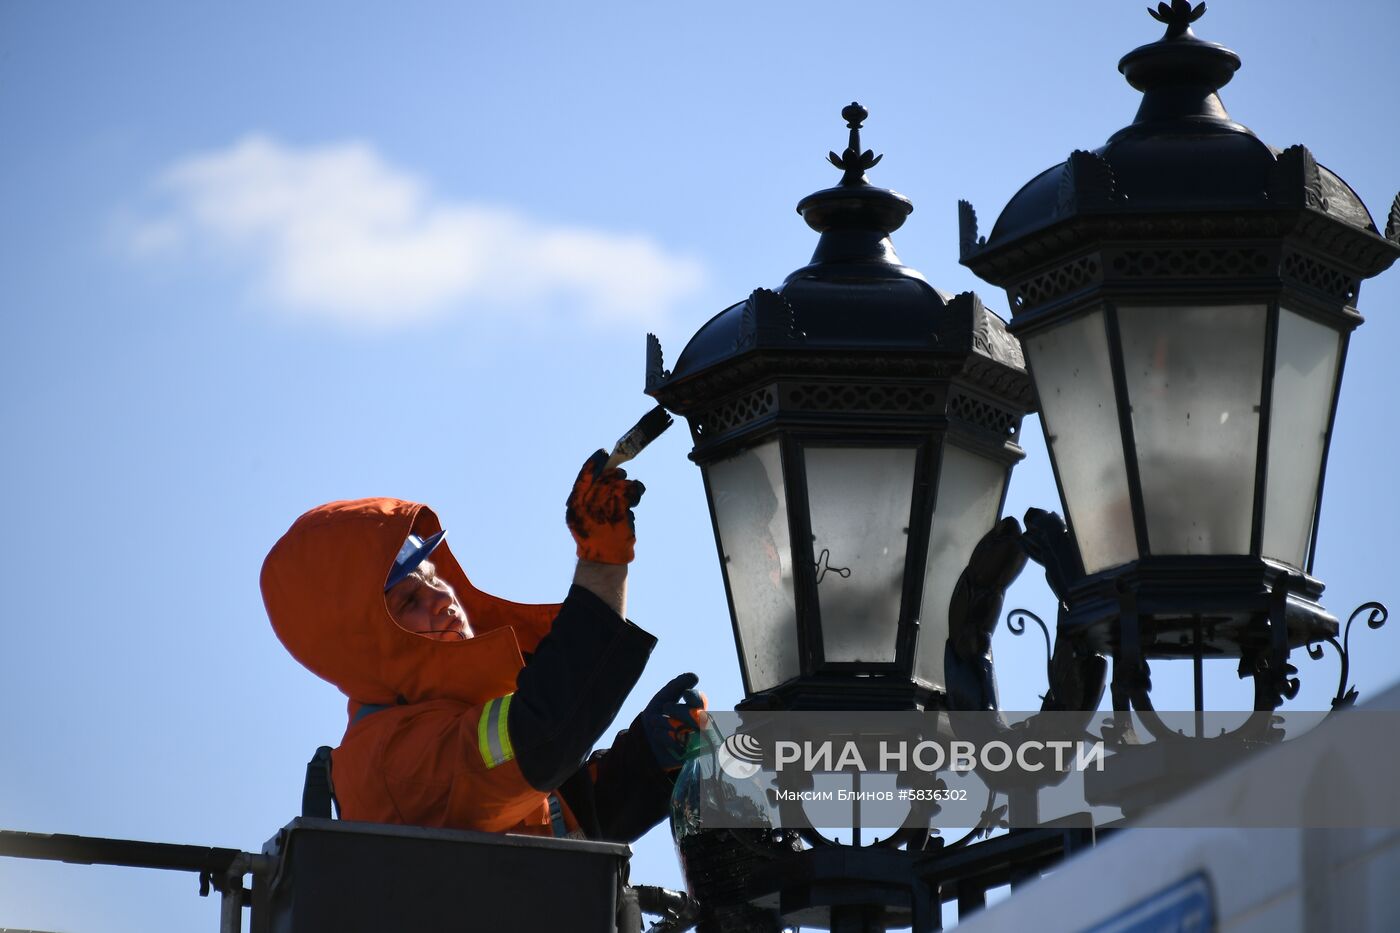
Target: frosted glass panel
x=751 y=516
x=1305 y=370
x=969 y=497
x=1072 y=376
x=859 y=500
x=1194 y=376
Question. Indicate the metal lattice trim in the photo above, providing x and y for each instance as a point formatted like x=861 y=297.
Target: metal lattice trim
x=1191 y=261
x=1319 y=277
x=1362 y=252
x=1184 y=262
x=913 y=374
x=849 y=397
x=735 y=412
x=984 y=414
x=1014 y=386
x=872 y=398
x=1056 y=283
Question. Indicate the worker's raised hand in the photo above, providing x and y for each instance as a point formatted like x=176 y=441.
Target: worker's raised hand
x=672 y=716
x=599 y=512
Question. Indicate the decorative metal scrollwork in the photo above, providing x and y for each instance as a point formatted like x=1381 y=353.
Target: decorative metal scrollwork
x=1016 y=625
x=1377 y=615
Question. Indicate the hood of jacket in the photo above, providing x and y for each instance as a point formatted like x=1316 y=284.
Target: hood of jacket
x=323 y=585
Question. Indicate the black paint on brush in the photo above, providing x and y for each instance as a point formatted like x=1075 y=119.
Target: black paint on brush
x=645 y=431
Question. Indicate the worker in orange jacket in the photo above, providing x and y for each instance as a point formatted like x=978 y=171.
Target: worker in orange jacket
x=471 y=712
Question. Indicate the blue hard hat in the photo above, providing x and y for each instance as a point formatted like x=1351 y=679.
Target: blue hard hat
x=415 y=550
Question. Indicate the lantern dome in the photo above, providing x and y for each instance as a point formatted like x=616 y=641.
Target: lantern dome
x=1182 y=154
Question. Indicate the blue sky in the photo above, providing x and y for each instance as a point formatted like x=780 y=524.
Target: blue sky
x=255 y=257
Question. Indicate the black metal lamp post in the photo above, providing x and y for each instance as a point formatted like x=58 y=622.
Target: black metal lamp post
x=856 y=429
x=1185 y=295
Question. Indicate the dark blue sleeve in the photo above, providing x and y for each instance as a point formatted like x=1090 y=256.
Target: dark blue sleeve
x=630 y=791
x=572 y=687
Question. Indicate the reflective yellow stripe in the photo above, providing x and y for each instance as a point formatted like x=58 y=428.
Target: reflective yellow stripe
x=481 y=742
x=505 y=746
x=492 y=735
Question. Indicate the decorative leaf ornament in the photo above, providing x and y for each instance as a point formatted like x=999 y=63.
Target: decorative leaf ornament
x=1177 y=15
x=854 y=162
x=968 y=240
x=656 y=371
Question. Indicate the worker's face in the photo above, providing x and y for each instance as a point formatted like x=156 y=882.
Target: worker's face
x=425 y=603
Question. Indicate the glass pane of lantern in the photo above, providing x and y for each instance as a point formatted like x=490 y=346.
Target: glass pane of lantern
x=968 y=503
x=1305 y=370
x=859 y=499
x=1194 y=375
x=1070 y=365
x=751 y=521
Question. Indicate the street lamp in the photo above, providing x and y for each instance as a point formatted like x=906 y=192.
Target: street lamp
x=1185 y=295
x=856 y=428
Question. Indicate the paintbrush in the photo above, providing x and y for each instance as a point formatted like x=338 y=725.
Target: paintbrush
x=642 y=433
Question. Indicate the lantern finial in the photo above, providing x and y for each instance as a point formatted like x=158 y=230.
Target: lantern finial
x=1178 y=16
x=854 y=162
x=855 y=204
x=1180 y=75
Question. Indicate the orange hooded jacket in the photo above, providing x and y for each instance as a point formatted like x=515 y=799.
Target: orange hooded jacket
x=426 y=760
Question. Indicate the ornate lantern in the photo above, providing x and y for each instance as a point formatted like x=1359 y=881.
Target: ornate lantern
x=1185 y=295
x=856 y=428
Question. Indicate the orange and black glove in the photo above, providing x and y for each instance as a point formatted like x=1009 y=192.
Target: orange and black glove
x=599 y=512
x=671 y=717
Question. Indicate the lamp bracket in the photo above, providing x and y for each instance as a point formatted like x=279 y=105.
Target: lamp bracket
x=1377 y=614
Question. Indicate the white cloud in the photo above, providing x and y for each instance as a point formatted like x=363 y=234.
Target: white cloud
x=338 y=232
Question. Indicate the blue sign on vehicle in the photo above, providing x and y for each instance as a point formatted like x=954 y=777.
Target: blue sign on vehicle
x=1186 y=907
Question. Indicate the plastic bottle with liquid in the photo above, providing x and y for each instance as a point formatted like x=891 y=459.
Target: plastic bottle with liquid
x=723 y=832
